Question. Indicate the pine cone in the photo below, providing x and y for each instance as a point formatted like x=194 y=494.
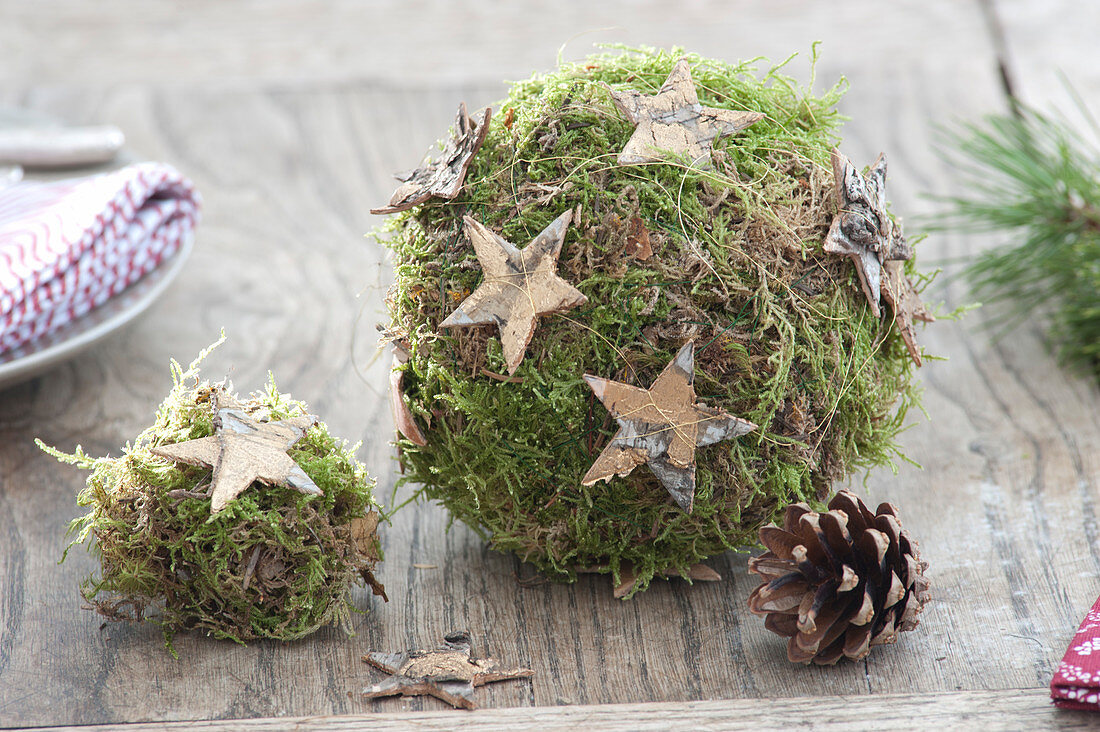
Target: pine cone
x=837 y=583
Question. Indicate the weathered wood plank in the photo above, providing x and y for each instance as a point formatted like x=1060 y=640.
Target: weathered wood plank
x=287 y=42
x=990 y=711
x=1046 y=41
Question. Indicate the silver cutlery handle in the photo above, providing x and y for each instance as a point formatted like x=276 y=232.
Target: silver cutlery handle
x=10 y=175
x=59 y=147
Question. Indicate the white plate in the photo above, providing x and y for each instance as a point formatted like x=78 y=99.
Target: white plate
x=46 y=352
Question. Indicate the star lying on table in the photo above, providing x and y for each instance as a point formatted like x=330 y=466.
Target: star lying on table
x=519 y=286
x=661 y=426
x=447 y=673
x=673 y=121
x=242 y=451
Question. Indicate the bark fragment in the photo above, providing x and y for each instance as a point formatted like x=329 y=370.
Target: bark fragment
x=402 y=416
x=862 y=229
x=443 y=177
x=904 y=300
x=637 y=241
x=628 y=578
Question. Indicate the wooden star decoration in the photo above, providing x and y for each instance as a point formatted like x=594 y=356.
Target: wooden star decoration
x=443 y=177
x=519 y=286
x=673 y=121
x=862 y=229
x=662 y=426
x=447 y=673
x=899 y=291
x=242 y=451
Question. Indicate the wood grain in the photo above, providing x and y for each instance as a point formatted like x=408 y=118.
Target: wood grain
x=989 y=711
x=279 y=114
x=1046 y=45
x=428 y=43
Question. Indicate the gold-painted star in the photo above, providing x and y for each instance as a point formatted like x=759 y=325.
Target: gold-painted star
x=519 y=286
x=862 y=230
x=904 y=300
x=662 y=426
x=242 y=451
x=673 y=121
x=447 y=673
x=443 y=177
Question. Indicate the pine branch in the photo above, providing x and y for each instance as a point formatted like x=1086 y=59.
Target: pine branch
x=1034 y=179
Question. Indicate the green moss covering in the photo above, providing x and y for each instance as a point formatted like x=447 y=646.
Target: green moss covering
x=783 y=335
x=163 y=557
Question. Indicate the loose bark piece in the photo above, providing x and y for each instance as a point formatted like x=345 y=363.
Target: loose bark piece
x=518 y=287
x=447 y=673
x=628 y=578
x=242 y=451
x=697 y=572
x=364 y=534
x=899 y=291
x=252 y=562
x=673 y=121
x=862 y=229
x=637 y=241
x=365 y=538
x=443 y=177
x=661 y=426
x=402 y=416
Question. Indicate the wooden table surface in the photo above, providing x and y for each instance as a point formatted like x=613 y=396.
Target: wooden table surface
x=290 y=117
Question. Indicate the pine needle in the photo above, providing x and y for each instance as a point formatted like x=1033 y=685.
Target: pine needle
x=1037 y=182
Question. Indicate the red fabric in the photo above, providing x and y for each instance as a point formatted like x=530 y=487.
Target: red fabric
x=69 y=246
x=1076 y=683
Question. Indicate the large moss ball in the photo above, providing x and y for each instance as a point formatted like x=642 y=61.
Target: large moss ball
x=275 y=563
x=730 y=257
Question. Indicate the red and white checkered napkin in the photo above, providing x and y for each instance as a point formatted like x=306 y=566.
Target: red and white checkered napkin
x=69 y=246
x=1076 y=683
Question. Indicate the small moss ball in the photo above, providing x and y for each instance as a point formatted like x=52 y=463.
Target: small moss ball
x=275 y=563
x=783 y=335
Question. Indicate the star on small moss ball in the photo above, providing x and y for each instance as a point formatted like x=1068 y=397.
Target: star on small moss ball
x=239 y=517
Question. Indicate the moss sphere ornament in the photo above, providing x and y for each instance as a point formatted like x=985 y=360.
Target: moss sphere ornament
x=686 y=202
x=242 y=518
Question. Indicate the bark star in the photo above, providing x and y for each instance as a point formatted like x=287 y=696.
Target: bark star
x=662 y=426
x=447 y=673
x=242 y=451
x=674 y=121
x=519 y=286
